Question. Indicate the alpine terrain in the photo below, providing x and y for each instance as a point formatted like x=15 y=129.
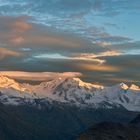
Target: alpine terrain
x=62 y=108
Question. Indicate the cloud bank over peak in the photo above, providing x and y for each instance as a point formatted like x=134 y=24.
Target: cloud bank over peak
x=38 y=76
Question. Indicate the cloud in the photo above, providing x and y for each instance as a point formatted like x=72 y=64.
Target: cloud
x=79 y=56
x=38 y=76
x=55 y=41
x=56 y=56
x=102 y=44
x=20 y=25
x=51 y=56
x=54 y=48
x=128 y=47
x=115 y=39
x=97 y=55
x=8 y=53
x=15 y=23
x=102 y=38
x=17 y=31
x=12 y=30
x=18 y=40
x=118 y=79
x=98 y=68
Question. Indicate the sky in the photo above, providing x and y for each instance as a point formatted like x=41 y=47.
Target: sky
x=100 y=39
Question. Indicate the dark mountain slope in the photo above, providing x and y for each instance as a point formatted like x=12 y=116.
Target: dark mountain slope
x=53 y=122
x=113 y=131
x=136 y=120
x=12 y=127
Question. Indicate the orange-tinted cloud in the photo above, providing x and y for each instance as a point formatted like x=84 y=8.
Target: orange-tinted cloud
x=6 y=53
x=17 y=31
x=119 y=79
x=17 y=40
x=38 y=76
x=56 y=41
x=12 y=30
x=92 y=57
x=21 y=26
x=97 y=55
x=100 y=68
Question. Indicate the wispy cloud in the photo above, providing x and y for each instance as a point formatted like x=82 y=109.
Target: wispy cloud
x=98 y=68
x=98 y=55
x=17 y=31
x=20 y=25
x=17 y=40
x=80 y=56
x=8 y=53
x=38 y=76
x=94 y=57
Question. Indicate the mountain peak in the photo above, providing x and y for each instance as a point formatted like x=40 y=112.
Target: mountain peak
x=124 y=86
x=6 y=82
x=81 y=83
x=134 y=87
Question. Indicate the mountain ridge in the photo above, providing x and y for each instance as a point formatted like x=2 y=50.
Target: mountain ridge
x=72 y=91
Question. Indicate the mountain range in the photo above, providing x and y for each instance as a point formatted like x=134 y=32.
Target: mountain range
x=71 y=91
x=62 y=108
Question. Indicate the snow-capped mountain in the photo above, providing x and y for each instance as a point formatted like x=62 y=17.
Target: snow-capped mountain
x=72 y=91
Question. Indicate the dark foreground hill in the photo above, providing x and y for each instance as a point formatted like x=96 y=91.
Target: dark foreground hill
x=113 y=131
x=136 y=120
